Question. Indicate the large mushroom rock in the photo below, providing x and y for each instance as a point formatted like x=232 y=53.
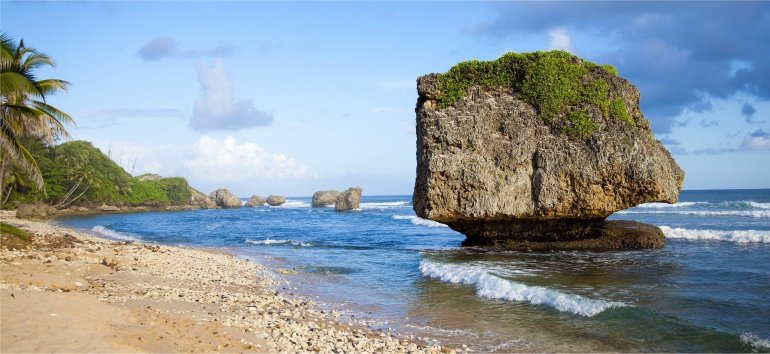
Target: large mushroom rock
x=201 y=200
x=324 y=198
x=225 y=199
x=255 y=201
x=535 y=150
x=348 y=200
x=276 y=200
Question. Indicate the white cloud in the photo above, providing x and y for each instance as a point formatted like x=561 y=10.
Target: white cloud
x=560 y=39
x=216 y=108
x=227 y=161
x=166 y=47
x=756 y=140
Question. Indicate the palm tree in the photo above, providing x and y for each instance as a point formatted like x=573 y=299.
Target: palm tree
x=24 y=114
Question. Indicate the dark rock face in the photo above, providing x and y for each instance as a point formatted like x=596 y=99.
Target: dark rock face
x=324 y=198
x=225 y=199
x=348 y=200
x=276 y=200
x=493 y=168
x=255 y=201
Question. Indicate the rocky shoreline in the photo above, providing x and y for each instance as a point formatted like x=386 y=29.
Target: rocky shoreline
x=72 y=292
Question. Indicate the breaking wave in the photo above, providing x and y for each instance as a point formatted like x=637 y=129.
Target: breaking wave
x=744 y=213
x=378 y=205
x=114 y=234
x=293 y=204
x=756 y=342
x=418 y=220
x=269 y=242
x=491 y=286
x=740 y=236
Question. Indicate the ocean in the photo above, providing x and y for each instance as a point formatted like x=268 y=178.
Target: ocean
x=707 y=290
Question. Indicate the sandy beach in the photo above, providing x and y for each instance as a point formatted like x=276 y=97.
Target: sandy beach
x=67 y=291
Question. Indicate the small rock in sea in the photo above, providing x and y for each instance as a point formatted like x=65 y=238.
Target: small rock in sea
x=348 y=200
x=276 y=200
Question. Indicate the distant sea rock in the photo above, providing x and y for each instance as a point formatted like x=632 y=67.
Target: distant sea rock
x=535 y=150
x=225 y=199
x=324 y=198
x=201 y=200
x=276 y=200
x=255 y=201
x=348 y=200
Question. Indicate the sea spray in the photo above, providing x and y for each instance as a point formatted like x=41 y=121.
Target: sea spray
x=491 y=286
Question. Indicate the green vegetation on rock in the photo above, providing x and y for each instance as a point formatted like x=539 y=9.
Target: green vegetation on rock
x=78 y=173
x=618 y=111
x=580 y=125
x=550 y=81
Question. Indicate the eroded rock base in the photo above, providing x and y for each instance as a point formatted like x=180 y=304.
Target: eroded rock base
x=560 y=234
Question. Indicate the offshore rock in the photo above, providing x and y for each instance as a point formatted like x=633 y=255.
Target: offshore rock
x=491 y=166
x=348 y=200
x=255 y=201
x=225 y=199
x=276 y=200
x=201 y=200
x=324 y=198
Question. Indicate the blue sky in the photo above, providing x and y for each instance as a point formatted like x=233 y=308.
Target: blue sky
x=289 y=98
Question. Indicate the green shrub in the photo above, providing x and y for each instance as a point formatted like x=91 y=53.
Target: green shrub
x=580 y=125
x=618 y=111
x=550 y=81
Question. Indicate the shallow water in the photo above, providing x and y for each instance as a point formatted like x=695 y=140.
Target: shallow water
x=707 y=290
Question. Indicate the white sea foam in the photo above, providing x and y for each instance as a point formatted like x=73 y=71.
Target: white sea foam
x=666 y=205
x=491 y=286
x=278 y=242
x=756 y=342
x=379 y=205
x=744 y=213
x=758 y=205
x=418 y=220
x=293 y=204
x=114 y=234
x=740 y=236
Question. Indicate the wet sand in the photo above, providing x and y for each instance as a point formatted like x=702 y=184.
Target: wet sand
x=71 y=292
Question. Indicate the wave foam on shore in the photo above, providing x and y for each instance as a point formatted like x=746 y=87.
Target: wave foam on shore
x=269 y=242
x=114 y=234
x=491 y=286
x=739 y=236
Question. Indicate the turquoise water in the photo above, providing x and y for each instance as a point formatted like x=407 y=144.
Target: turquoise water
x=707 y=290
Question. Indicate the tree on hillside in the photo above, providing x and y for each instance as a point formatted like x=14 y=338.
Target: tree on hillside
x=24 y=115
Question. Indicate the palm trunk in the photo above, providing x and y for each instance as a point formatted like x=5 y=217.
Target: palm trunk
x=3 y=163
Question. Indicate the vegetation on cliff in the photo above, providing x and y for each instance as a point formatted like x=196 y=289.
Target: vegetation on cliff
x=555 y=82
x=78 y=173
